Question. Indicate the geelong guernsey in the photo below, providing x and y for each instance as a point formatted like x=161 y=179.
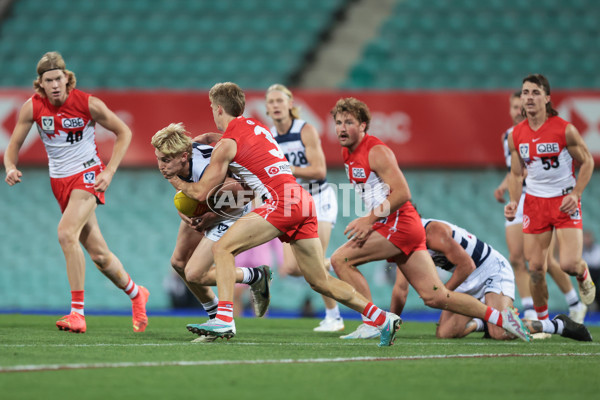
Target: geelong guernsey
x=295 y=152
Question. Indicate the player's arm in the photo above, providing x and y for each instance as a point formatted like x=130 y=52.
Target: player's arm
x=382 y=161
x=11 y=155
x=109 y=120
x=213 y=175
x=579 y=151
x=439 y=238
x=208 y=138
x=317 y=169
x=515 y=180
x=503 y=186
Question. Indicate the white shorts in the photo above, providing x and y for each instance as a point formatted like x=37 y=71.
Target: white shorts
x=326 y=204
x=495 y=275
x=218 y=230
x=519 y=216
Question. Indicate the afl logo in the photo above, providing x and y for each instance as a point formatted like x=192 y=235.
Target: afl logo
x=525 y=221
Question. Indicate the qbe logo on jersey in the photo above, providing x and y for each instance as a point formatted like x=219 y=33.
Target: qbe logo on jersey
x=89 y=177
x=282 y=167
x=524 y=151
x=71 y=123
x=359 y=173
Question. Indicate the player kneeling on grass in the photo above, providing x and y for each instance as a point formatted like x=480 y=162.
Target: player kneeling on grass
x=479 y=271
x=192 y=258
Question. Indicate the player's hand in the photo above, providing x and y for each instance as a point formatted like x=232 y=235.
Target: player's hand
x=13 y=176
x=499 y=194
x=103 y=179
x=205 y=221
x=208 y=138
x=569 y=204
x=358 y=231
x=510 y=211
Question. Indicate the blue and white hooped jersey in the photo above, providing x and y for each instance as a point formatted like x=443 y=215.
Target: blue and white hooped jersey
x=295 y=152
x=479 y=251
x=200 y=159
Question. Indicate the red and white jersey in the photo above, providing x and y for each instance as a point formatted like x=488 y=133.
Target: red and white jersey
x=367 y=183
x=67 y=132
x=259 y=160
x=550 y=171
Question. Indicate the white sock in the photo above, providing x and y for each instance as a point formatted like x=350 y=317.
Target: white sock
x=332 y=313
x=480 y=324
x=211 y=307
x=572 y=299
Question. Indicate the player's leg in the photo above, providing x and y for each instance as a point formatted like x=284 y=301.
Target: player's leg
x=500 y=302
x=570 y=244
x=244 y=234
x=109 y=264
x=80 y=207
x=421 y=274
x=577 y=309
x=514 y=243
x=399 y=293
x=187 y=241
x=346 y=259
x=451 y=325
x=309 y=254
x=333 y=321
x=536 y=252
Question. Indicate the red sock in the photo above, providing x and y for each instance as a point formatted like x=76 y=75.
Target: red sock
x=77 y=301
x=225 y=311
x=131 y=288
x=542 y=312
x=375 y=314
x=584 y=276
x=493 y=316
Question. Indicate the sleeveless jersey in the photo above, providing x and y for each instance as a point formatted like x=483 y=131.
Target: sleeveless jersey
x=295 y=152
x=259 y=160
x=479 y=251
x=367 y=183
x=200 y=159
x=550 y=171
x=67 y=132
x=507 y=157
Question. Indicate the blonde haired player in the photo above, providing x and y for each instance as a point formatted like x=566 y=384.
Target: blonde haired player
x=192 y=257
x=65 y=118
x=301 y=144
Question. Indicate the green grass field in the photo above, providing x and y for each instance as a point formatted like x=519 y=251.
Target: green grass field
x=281 y=358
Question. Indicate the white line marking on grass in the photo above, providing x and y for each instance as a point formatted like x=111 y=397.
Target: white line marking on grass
x=57 y=367
x=361 y=343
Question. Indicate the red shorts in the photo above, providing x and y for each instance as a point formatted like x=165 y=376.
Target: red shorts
x=85 y=180
x=541 y=214
x=403 y=229
x=293 y=213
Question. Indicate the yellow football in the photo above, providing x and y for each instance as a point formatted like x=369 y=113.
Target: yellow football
x=188 y=206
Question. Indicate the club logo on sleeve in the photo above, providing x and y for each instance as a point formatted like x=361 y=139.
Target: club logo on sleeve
x=89 y=177
x=358 y=173
x=282 y=167
x=524 y=151
x=48 y=124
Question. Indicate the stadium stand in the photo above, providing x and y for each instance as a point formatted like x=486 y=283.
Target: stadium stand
x=181 y=44
x=467 y=44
